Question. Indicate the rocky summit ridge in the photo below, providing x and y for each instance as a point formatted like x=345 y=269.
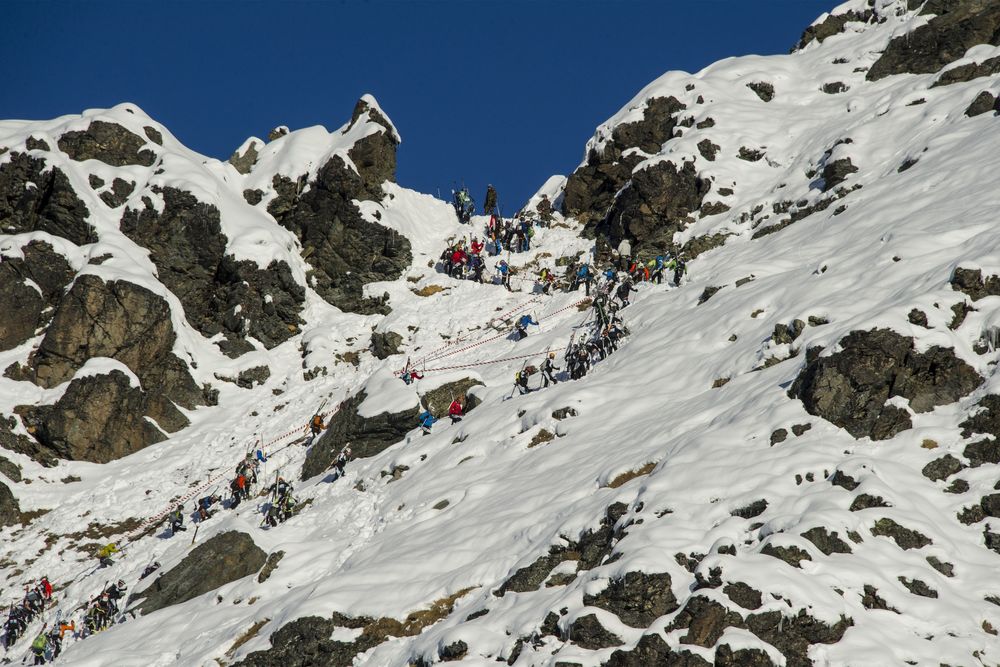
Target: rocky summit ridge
x=791 y=459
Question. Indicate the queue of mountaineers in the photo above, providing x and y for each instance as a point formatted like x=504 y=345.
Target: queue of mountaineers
x=483 y=257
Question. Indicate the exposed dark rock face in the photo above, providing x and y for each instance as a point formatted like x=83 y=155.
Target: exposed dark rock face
x=10 y=511
x=743 y=595
x=592 y=548
x=905 y=538
x=942 y=468
x=587 y=631
x=653 y=650
x=850 y=387
x=918 y=318
x=305 y=642
x=367 y=435
x=985 y=420
x=834 y=87
x=968 y=72
x=33 y=201
x=637 y=599
x=345 y=250
x=219 y=293
x=942 y=40
x=122 y=321
x=764 y=90
x=591 y=189
x=23 y=308
x=655 y=204
x=386 y=344
x=836 y=172
x=785 y=334
x=918 y=587
x=826 y=541
x=708 y=150
x=119 y=192
x=36 y=144
x=100 y=418
x=865 y=501
x=244 y=162
x=215 y=562
x=754 y=509
x=832 y=25
x=971 y=282
x=705 y=620
x=984 y=451
x=9 y=469
x=454 y=651
x=374 y=155
x=270 y=566
x=790 y=554
x=108 y=142
x=984 y=103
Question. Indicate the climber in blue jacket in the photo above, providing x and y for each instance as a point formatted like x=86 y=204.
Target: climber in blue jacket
x=426 y=420
x=521 y=328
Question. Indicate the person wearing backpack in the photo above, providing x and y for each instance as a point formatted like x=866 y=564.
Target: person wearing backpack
x=426 y=421
x=456 y=411
x=504 y=271
x=40 y=646
x=176 y=519
x=490 y=205
x=679 y=267
x=521 y=329
x=548 y=370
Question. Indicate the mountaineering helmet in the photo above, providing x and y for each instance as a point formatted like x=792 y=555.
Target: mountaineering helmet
x=121 y=583
x=552 y=355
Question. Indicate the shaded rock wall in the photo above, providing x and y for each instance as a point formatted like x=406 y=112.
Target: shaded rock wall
x=219 y=293
x=33 y=201
x=850 y=387
x=219 y=560
x=367 y=435
x=24 y=309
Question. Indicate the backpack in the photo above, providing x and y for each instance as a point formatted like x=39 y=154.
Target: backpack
x=41 y=641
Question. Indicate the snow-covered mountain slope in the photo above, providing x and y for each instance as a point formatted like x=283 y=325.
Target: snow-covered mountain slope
x=790 y=460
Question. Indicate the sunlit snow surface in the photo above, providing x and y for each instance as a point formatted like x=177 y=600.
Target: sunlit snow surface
x=386 y=551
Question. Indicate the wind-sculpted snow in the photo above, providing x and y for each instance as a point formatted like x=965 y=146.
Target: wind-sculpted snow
x=674 y=506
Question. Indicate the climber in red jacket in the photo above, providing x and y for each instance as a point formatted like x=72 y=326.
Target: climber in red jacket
x=455 y=411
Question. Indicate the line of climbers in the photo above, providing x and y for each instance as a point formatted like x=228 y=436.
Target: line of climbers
x=103 y=610
x=19 y=615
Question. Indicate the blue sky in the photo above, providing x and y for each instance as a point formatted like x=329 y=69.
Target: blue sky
x=481 y=91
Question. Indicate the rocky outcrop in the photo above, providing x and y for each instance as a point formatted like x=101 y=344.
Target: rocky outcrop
x=655 y=204
x=305 y=642
x=108 y=142
x=374 y=156
x=346 y=251
x=244 y=162
x=591 y=189
x=99 y=418
x=942 y=40
x=587 y=631
x=972 y=283
x=637 y=599
x=26 y=306
x=832 y=25
x=653 y=650
x=385 y=344
x=37 y=198
x=215 y=562
x=984 y=103
x=119 y=320
x=850 y=387
x=220 y=294
x=10 y=511
x=367 y=435
x=836 y=172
